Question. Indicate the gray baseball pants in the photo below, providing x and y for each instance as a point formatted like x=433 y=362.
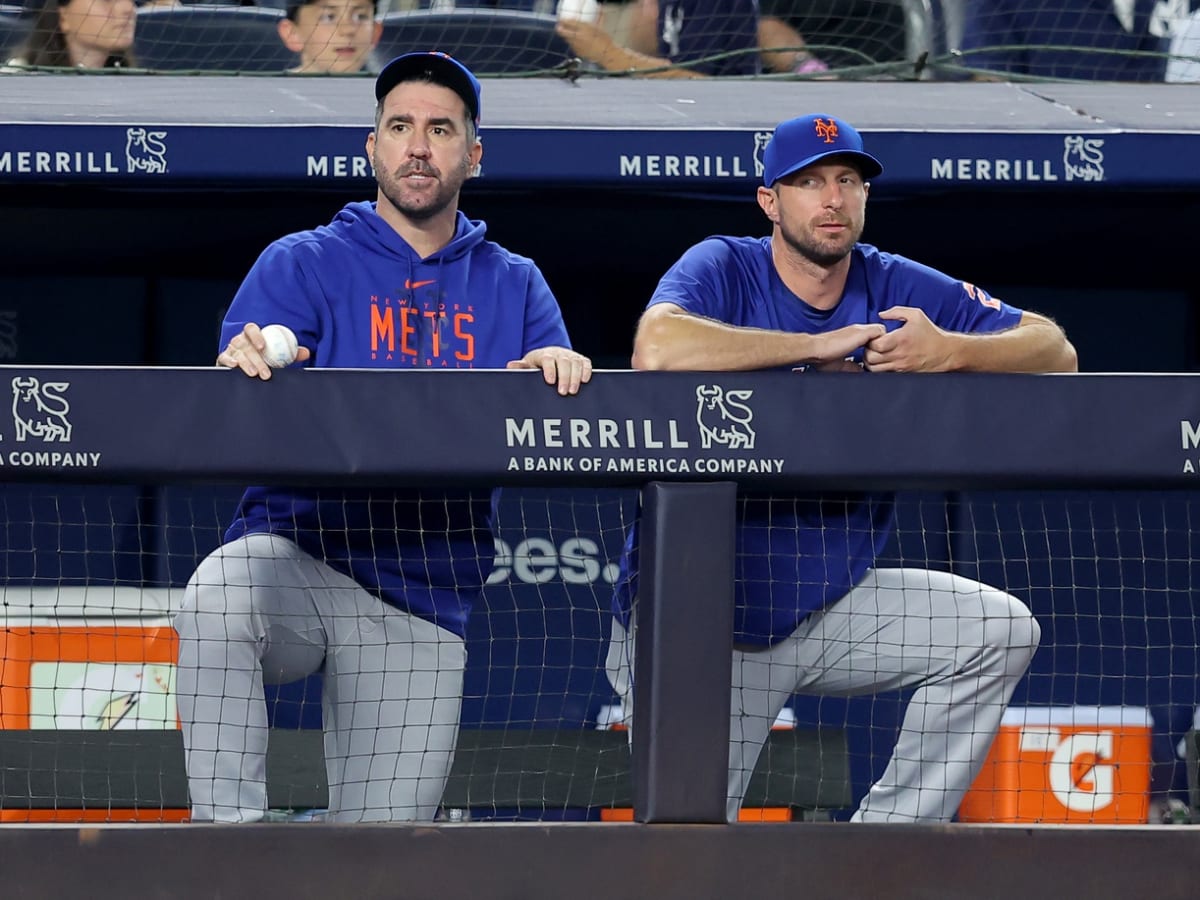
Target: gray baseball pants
x=260 y=610
x=963 y=645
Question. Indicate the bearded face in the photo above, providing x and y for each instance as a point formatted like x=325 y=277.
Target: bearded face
x=821 y=211
x=423 y=149
x=419 y=188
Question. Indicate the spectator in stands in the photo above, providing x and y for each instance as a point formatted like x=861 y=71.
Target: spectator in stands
x=853 y=32
x=813 y=615
x=783 y=48
x=630 y=23
x=88 y=34
x=695 y=38
x=1184 y=64
x=331 y=36
x=372 y=588
x=1096 y=40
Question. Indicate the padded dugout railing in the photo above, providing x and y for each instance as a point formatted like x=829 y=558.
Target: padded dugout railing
x=810 y=432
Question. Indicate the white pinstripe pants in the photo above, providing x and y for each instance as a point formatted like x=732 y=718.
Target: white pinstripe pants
x=963 y=645
x=259 y=610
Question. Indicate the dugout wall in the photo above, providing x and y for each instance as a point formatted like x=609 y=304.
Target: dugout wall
x=142 y=267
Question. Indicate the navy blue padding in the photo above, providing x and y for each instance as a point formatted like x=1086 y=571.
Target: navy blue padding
x=489 y=41
x=63 y=534
x=191 y=520
x=1110 y=576
x=537 y=640
x=211 y=38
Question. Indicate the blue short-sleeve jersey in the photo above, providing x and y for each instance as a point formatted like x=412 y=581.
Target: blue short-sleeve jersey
x=798 y=554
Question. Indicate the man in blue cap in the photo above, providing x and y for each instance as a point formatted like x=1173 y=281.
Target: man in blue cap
x=369 y=587
x=813 y=614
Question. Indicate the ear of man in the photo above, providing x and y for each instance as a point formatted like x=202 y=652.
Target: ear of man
x=767 y=198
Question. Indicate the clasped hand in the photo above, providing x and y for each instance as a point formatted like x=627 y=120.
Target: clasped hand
x=916 y=346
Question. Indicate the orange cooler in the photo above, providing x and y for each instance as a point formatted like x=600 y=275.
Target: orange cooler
x=87 y=658
x=1066 y=764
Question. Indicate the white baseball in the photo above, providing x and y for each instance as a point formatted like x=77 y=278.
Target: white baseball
x=585 y=10
x=282 y=346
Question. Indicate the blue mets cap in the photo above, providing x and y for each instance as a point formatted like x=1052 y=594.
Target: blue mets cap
x=801 y=142
x=438 y=68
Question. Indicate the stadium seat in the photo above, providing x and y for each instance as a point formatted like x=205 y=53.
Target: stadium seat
x=13 y=30
x=490 y=41
x=211 y=38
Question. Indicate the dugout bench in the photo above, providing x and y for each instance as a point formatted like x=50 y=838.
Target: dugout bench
x=49 y=775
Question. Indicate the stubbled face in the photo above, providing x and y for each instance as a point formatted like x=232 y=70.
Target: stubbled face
x=101 y=25
x=422 y=149
x=821 y=210
x=334 y=36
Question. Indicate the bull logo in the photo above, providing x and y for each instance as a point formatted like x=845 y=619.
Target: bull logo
x=145 y=151
x=1083 y=158
x=8 y=334
x=724 y=418
x=41 y=410
x=761 y=139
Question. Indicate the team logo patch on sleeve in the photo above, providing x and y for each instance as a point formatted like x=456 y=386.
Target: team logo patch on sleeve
x=977 y=293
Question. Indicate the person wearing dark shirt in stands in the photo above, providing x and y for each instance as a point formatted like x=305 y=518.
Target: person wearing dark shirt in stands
x=848 y=32
x=88 y=34
x=1095 y=40
x=695 y=38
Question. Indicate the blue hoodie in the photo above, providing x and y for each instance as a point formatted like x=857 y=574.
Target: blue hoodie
x=358 y=296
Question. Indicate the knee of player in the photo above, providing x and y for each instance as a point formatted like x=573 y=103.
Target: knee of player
x=1035 y=632
x=1010 y=626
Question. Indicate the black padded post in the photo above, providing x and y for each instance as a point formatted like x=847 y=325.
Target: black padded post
x=684 y=652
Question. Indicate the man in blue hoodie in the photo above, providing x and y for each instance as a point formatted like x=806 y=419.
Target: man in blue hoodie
x=372 y=588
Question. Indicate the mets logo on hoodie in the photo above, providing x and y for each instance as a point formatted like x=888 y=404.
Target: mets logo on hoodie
x=422 y=329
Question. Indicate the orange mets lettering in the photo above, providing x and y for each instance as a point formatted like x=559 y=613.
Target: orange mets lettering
x=406 y=330
x=468 y=339
x=413 y=285
x=384 y=334
x=382 y=328
x=827 y=130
